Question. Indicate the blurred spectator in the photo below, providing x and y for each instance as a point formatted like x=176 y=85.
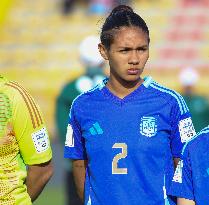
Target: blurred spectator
x=100 y=6
x=67 y=6
x=93 y=64
x=95 y=6
x=195 y=2
x=198 y=105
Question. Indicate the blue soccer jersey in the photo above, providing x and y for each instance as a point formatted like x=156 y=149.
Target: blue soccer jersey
x=129 y=143
x=191 y=178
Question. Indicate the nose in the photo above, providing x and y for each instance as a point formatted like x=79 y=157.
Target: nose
x=134 y=57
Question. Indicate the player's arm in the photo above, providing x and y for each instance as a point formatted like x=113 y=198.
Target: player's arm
x=75 y=150
x=37 y=177
x=182 y=184
x=176 y=161
x=182 y=129
x=182 y=201
x=33 y=141
x=79 y=173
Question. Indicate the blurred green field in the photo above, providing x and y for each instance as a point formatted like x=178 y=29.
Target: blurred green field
x=52 y=195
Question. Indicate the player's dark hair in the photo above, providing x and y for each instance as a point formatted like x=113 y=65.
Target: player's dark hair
x=121 y=16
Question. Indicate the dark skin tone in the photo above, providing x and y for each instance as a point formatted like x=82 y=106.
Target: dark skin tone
x=79 y=173
x=37 y=178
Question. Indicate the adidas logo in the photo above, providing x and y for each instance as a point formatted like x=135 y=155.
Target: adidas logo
x=96 y=129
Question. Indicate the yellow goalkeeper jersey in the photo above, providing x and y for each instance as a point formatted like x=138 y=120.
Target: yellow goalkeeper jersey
x=23 y=141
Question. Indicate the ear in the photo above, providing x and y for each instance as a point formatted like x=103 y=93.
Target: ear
x=103 y=51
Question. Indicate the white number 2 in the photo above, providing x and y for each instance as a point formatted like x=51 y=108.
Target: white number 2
x=123 y=154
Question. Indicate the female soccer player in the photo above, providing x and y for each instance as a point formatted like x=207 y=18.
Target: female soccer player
x=25 y=151
x=124 y=134
x=191 y=178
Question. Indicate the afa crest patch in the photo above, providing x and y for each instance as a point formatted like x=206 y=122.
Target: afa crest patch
x=148 y=126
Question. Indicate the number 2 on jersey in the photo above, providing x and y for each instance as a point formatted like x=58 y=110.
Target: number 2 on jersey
x=122 y=155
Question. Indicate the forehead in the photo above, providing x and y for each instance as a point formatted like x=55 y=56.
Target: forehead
x=130 y=36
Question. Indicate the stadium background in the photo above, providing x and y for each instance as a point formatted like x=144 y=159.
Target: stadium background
x=39 y=49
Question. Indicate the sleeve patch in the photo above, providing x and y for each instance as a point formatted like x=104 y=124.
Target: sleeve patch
x=69 y=142
x=178 y=173
x=41 y=140
x=186 y=129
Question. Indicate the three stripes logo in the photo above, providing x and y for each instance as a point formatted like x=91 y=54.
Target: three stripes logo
x=35 y=115
x=96 y=129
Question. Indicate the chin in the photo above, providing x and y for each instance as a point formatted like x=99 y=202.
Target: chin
x=132 y=78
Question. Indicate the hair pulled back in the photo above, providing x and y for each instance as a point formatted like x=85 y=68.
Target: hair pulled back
x=121 y=16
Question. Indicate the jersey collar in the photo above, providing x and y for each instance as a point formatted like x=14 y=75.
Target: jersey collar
x=147 y=81
x=117 y=100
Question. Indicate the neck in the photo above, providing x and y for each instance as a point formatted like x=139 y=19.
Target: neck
x=121 y=88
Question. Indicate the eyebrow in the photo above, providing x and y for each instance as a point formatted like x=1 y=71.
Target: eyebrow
x=127 y=47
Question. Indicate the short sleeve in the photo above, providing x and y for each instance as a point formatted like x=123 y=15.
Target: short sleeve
x=182 y=126
x=30 y=130
x=74 y=143
x=181 y=185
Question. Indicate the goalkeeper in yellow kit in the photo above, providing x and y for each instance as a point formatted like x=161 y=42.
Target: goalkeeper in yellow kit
x=25 y=152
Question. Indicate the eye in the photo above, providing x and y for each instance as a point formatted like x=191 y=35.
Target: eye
x=142 y=49
x=123 y=51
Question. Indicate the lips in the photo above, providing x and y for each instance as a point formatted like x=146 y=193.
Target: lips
x=133 y=71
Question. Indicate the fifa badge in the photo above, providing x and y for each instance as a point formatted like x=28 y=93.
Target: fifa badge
x=148 y=126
